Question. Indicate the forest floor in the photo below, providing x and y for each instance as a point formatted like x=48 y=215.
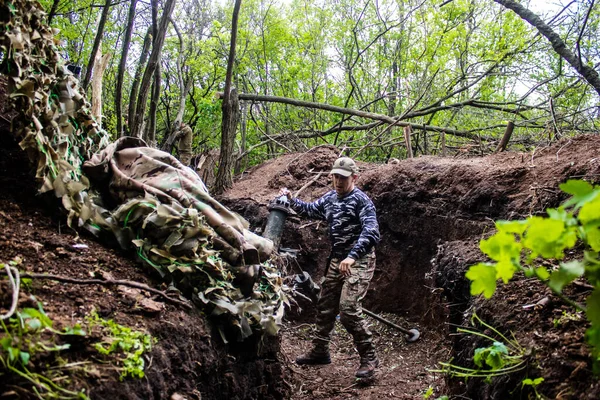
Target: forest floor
x=425 y=193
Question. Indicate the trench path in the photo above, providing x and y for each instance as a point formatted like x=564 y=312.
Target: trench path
x=404 y=371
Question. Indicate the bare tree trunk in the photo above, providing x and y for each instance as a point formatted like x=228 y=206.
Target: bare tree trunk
x=135 y=86
x=230 y=107
x=444 y=149
x=185 y=85
x=101 y=64
x=239 y=162
x=97 y=41
x=157 y=45
x=52 y=11
x=184 y=81
x=150 y=134
x=122 y=65
x=588 y=73
x=229 y=121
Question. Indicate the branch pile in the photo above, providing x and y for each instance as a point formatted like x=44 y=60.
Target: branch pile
x=142 y=196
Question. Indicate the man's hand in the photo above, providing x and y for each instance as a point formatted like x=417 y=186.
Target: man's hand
x=345 y=265
x=285 y=192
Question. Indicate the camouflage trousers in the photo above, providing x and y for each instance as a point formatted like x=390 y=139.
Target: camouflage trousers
x=344 y=295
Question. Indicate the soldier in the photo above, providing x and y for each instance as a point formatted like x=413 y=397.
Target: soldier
x=185 y=135
x=353 y=232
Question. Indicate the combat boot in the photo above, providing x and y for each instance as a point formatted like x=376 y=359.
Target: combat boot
x=367 y=366
x=314 y=357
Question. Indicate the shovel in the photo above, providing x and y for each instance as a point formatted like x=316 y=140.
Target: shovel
x=412 y=335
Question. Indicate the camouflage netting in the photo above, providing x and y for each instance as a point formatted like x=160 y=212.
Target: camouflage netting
x=161 y=208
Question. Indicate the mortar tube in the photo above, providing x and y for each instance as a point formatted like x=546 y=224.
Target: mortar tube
x=279 y=210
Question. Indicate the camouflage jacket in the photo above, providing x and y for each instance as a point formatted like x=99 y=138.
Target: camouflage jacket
x=353 y=227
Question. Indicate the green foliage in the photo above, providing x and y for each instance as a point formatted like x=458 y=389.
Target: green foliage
x=519 y=246
x=533 y=383
x=27 y=336
x=493 y=356
x=566 y=317
x=428 y=393
x=128 y=344
x=503 y=356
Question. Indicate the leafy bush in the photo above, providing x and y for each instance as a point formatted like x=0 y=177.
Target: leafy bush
x=520 y=245
x=503 y=356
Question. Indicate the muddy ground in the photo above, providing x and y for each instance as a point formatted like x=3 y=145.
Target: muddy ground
x=432 y=212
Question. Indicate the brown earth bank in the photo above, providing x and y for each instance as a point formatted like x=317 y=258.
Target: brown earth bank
x=432 y=213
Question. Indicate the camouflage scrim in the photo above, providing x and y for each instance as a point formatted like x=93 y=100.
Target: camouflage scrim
x=150 y=201
x=134 y=170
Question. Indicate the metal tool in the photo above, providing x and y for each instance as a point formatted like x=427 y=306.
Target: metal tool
x=412 y=335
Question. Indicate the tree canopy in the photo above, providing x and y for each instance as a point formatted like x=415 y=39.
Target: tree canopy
x=352 y=73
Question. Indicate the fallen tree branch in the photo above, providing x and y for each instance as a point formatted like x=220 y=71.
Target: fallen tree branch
x=349 y=111
x=107 y=282
x=313 y=180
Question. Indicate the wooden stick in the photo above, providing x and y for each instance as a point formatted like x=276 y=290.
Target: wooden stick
x=107 y=282
x=313 y=180
x=506 y=138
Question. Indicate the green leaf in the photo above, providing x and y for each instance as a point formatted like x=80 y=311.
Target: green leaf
x=560 y=214
x=592 y=235
x=576 y=187
x=535 y=382
x=542 y=273
x=593 y=308
x=13 y=353
x=479 y=357
x=505 y=270
x=590 y=212
x=24 y=356
x=75 y=330
x=548 y=237
x=582 y=192
x=34 y=324
x=501 y=246
x=493 y=356
x=6 y=342
x=483 y=277
x=566 y=273
x=517 y=227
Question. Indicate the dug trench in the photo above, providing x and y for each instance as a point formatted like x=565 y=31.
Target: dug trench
x=432 y=213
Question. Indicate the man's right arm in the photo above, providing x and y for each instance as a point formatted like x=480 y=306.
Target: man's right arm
x=313 y=210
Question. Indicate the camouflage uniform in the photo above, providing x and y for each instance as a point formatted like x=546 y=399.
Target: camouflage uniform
x=353 y=231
